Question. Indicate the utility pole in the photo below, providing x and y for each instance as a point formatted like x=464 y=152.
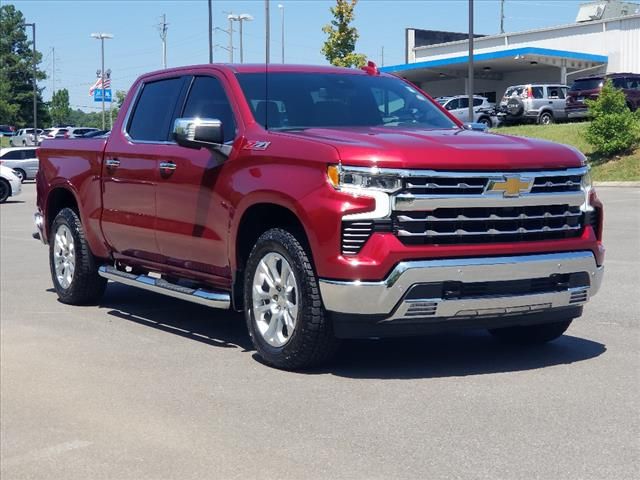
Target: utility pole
x=101 y=37
x=267 y=30
x=470 y=71
x=501 y=16
x=162 y=28
x=53 y=72
x=281 y=7
x=382 y=57
x=210 y=34
x=243 y=17
x=35 y=85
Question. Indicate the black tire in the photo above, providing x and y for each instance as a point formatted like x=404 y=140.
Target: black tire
x=532 y=334
x=486 y=121
x=24 y=143
x=86 y=286
x=22 y=175
x=546 y=118
x=5 y=190
x=312 y=342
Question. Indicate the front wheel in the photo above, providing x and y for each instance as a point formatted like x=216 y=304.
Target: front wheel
x=532 y=334
x=285 y=317
x=486 y=121
x=74 y=270
x=5 y=190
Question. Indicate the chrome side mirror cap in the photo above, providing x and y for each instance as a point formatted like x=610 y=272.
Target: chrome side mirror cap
x=476 y=127
x=198 y=132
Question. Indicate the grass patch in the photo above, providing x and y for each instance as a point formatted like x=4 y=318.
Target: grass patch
x=617 y=168
x=4 y=142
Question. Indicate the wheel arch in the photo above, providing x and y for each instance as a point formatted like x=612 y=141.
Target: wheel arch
x=256 y=219
x=58 y=198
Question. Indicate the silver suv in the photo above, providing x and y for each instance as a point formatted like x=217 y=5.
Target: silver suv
x=540 y=103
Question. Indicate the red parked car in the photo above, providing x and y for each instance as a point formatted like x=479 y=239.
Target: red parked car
x=325 y=203
x=590 y=87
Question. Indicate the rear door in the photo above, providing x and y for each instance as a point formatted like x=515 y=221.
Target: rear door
x=131 y=169
x=193 y=217
x=557 y=98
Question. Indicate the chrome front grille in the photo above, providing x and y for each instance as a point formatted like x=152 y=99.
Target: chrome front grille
x=481 y=225
x=444 y=185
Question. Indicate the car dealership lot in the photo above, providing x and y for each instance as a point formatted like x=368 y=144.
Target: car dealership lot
x=144 y=386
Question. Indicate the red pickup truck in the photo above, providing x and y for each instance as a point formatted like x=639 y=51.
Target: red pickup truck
x=325 y=203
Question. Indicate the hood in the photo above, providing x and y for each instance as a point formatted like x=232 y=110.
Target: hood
x=442 y=149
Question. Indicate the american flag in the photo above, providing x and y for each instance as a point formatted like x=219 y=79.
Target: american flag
x=98 y=84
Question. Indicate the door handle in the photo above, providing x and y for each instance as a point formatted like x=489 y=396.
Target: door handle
x=112 y=163
x=167 y=167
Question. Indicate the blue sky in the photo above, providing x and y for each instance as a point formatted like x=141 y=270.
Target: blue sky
x=136 y=48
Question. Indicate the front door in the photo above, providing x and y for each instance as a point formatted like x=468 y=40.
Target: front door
x=192 y=216
x=131 y=171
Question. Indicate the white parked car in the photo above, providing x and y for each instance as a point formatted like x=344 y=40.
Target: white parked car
x=10 y=184
x=458 y=106
x=23 y=160
x=24 y=137
x=56 y=132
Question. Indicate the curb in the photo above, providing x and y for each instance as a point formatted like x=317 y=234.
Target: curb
x=616 y=184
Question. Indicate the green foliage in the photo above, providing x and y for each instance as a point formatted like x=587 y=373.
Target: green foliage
x=59 y=107
x=341 y=42
x=16 y=72
x=614 y=128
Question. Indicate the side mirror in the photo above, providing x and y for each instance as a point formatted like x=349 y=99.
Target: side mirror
x=198 y=132
x=476 y=127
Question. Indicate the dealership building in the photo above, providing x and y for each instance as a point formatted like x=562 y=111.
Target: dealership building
x=604 y=39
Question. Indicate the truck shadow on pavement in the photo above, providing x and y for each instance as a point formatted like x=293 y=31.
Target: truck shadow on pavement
x=433 y=356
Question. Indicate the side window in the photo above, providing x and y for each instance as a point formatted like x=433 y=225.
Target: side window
x=555 y=92
x=31 y=153
x=537 y=92
x=452 y=104
x=153 y=111
x=463 y=102
x=619 y=82
x=13 y=155
x=207 y=99
x=477 y=102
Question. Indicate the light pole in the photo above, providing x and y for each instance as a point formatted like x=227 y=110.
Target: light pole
x=35 y=86
x=101 y=37
x=281 y=7
x=243 y=17
x=267 y=31
x=470 y=71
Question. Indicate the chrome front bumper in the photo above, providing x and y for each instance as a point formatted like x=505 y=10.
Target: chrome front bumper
x=387 y=298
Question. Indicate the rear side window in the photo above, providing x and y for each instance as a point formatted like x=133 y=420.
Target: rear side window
x=555 y=92
x=619 y=82
x=477 y=102
x=207 y=99
x=151 y=119
x=537 y=92
x=13 y=155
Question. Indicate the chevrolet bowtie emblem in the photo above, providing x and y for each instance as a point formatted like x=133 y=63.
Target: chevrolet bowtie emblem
x=512 y=186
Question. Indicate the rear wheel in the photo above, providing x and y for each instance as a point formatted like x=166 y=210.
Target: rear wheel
x=21 y=174
x=285 y=317
x=74 y=269
x=532 y=334
x=5 y=190
x=545 y=118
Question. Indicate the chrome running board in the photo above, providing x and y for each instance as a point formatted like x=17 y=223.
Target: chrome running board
x=158 y=285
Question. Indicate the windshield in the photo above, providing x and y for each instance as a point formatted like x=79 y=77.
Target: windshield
x=302 y=100
x=586 y=84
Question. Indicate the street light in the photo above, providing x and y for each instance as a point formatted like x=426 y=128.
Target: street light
x=281 y=7
x=102 y=37
x=243 y=17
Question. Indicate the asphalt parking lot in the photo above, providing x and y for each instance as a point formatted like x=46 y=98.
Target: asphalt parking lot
x=147 y=387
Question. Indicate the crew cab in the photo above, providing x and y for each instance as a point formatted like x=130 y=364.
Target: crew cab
x=324 y=203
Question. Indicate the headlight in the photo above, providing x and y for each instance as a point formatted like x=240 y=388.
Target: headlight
x=350 y=178
x=586 y=187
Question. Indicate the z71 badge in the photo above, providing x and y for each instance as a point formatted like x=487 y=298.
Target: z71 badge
x=256 y=145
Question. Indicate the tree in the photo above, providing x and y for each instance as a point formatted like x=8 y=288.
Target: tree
x=341 y=42
x=59 y=107
x=16 y=72
x=613 y=128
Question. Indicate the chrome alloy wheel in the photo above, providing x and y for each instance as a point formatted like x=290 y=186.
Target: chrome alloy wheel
x=275 y=299
x=64 y=256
